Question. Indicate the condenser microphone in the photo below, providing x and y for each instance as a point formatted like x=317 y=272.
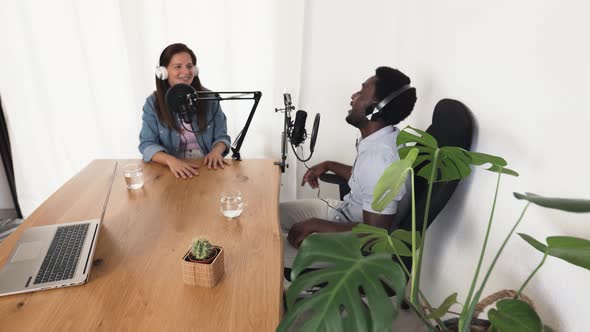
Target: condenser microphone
x=298 y=133
x=181 y=100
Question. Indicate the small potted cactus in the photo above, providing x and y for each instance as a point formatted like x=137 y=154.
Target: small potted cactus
x=202 y=265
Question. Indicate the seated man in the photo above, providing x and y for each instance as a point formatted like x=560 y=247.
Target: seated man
x=384 y=100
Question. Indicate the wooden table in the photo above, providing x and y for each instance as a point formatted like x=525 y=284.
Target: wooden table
x=136 y=282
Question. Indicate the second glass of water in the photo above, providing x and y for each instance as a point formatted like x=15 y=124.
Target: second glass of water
x=231 y=204
x=133 y=176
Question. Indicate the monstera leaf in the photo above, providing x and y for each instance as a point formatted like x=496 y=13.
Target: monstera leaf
x=391 y=181
x=377 y=240
x=338 y=304
x=444 y=307
x=515 y=316
x=571 y=249
x=564 y=204
x=453 y=163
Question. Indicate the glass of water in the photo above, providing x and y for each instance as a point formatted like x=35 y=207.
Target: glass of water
x=133 y=176
x=231 y=204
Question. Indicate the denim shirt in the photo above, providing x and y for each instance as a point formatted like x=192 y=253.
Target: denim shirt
x=156 y=136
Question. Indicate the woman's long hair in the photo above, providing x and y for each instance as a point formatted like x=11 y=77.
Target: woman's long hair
x=162 y=87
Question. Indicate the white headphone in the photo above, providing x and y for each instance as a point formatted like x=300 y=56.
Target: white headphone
x=162 y=73
x=387 y=100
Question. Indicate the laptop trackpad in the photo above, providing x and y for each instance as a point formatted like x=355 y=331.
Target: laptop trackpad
x=26 y=251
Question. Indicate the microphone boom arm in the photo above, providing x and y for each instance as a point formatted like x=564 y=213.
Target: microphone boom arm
x=234 y=95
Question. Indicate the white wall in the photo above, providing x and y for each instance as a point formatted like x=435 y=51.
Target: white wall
x=343 y=45
x=522 y=68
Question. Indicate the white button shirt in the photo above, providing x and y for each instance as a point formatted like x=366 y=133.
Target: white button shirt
x=374 y=154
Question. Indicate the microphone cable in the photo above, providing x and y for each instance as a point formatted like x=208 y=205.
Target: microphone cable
x=297 y=156
x=340 y=211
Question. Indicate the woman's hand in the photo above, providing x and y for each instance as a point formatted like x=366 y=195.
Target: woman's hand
x=182 y=169
x=214 y=158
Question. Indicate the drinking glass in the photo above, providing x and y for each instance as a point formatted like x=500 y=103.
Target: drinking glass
x=133 y=176
x=231 y=204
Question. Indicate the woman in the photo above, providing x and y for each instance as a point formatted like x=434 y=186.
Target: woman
x=165 y=138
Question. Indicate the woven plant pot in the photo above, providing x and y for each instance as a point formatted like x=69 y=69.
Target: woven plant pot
x=483 y=325
x=203 y=274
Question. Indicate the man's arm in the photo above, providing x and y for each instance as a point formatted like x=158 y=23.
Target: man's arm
x=313 y=173
x=303 y=229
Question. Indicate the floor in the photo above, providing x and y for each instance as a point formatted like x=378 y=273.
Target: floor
x=407 y=322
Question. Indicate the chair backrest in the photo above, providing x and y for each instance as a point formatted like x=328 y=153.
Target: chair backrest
x=452 y=125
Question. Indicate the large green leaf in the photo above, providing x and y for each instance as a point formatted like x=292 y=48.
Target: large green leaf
x=338 y=306
x=453 y=162
x=564 y=204
x=515 y=316
x=391 y=181
x=442 y=309
x=377 y=240
x=536 y=244
x=406 y=236
x=570 y=249
x=424 y=138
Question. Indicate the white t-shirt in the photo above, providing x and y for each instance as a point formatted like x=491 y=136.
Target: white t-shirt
x=374 y=154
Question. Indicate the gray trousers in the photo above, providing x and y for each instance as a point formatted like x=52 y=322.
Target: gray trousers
x=293 y=212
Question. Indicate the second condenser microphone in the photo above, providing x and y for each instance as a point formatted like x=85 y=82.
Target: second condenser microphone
x=298 y=133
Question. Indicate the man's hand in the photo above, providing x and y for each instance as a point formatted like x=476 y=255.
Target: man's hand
x=300 y=231
x=305 y=228
x=312 y=174
x=182 y=168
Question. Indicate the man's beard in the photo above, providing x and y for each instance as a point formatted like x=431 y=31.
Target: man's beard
x=356 y=120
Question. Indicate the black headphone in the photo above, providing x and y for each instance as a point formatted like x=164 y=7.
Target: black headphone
x=379 y=106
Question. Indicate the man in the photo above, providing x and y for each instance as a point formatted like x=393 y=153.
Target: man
x=383 y=101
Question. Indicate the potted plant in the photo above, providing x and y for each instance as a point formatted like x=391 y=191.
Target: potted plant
x=352 y=296
x=202 y=265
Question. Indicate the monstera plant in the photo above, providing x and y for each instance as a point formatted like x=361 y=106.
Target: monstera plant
x=348 y=294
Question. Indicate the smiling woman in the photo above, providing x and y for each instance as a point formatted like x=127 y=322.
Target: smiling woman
x=168 y=140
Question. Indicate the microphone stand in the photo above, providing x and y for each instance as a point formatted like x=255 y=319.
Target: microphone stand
x=286 y=126
x=234 y=95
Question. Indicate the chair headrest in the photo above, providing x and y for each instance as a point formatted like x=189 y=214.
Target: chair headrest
x=452 y=124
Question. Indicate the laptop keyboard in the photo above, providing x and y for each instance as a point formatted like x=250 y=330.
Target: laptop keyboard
x=62 y=257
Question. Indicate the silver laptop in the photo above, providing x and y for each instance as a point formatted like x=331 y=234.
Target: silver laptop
x=52 y=256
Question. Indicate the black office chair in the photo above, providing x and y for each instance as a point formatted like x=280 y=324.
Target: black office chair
x=452 y=125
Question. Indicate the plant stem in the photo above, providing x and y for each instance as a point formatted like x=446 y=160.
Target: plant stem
x=531 y=276
x=417 y=270
x=483 y=248
x=418 y=313
x=485 y=280
x=401 y=263
x=503 y=245
x=414 y=260
x=438 y=320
